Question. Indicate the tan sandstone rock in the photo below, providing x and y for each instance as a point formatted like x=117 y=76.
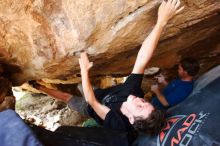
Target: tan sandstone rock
x=42 y=38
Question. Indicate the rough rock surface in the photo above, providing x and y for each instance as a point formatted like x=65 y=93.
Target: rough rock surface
x=45 y=111
x=42 y=38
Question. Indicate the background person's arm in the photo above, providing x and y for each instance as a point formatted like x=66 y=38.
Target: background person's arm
x=161 y=79
x=63 y=96
x=85 y=65
x=159 y=95
x=57 y=94
x=166 y=11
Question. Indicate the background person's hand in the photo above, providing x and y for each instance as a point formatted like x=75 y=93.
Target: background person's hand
x=168 y=9
x=160 y=78
x=154 y=88
x=84 y=63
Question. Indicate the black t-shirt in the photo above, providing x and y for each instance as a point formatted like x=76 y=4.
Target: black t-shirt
x=113 y=98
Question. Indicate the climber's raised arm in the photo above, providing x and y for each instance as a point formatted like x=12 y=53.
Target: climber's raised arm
x=166 y=11
x=85 y=65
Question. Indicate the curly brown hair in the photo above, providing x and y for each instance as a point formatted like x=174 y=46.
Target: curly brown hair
x=153 y=124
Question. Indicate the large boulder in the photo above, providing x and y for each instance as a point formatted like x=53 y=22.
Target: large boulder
x=42 y=39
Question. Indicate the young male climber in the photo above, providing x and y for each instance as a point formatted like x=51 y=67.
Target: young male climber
x=122 y=107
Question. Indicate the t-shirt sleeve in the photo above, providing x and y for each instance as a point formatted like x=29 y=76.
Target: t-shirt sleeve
x=114 y=120
x=178 y=95
x=134 y=80
x=133 y=84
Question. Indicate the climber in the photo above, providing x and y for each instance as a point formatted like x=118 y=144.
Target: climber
x=122 y=107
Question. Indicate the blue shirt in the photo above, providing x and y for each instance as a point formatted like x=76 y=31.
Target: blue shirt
x=175 y=92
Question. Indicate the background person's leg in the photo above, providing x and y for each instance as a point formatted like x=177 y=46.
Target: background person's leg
x=63 y=96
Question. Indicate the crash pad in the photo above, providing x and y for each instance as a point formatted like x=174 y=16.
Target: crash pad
x=196 y=120
x=14 y=132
